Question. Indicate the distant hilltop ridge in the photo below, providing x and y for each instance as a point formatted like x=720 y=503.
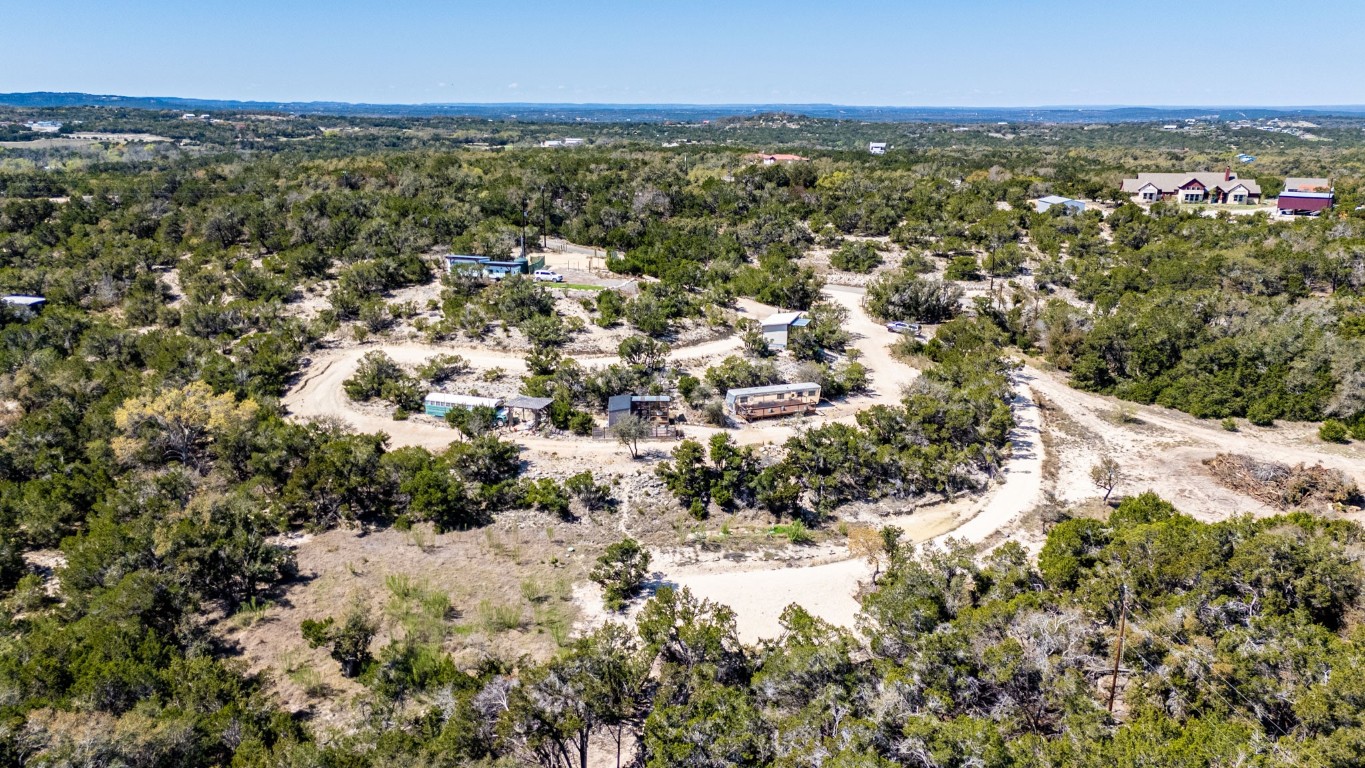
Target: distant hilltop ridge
x=682 y=112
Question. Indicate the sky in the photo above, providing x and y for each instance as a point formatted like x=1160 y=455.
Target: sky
x=1005 y=53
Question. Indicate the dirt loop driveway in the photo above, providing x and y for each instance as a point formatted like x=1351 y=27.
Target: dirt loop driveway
x=319 y=391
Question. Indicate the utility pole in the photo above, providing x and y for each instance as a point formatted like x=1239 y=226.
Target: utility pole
x=523 y=226
x=544 y=220
x=1118 y=647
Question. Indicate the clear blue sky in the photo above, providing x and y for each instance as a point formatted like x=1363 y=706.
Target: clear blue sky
x=914 y=53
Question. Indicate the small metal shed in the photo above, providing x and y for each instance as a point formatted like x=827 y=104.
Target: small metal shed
x=652 y=408
x=777 y=329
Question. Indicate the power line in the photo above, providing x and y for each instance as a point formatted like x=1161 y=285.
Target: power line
x=1201 y=676
x=1118 y=648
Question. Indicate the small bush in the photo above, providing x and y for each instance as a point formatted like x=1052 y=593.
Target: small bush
x=962 y=268
x=697 y=509
x=497 y=618
x=861 y=257
x=581 y=423
x=546 y=495
x=1230 y=424
x=1333 y=431
x=588 y=491
x=796 y=532
x=621 y=571
x=713 y=413
x=687 y=385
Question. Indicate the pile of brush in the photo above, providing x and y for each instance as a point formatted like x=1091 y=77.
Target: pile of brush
x=1283 y=486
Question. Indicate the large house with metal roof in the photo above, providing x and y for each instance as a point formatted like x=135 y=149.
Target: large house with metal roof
x=1305 y=197
x=1224 y=188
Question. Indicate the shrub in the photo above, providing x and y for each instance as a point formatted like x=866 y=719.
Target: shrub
x=610 y=307
x=962 y=268
x=736 y=372
x=795 y=532
x=713 y=413
x=903 y=295
x=376 y=370
x=592 y=494
x=472 y=422
x=546 y=495
x=687 y=385
x=442 y=368
x=348 y=642
x=861 y=257
x=621 y=571
x=581 y=423
x=1333 y=431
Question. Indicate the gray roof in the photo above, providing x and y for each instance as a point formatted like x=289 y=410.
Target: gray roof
x=1057 y=200
x=622 y=402
x=1169 y=182
x=771 y=389
x=1294 y=184
x=782 y=318
x=530 y=403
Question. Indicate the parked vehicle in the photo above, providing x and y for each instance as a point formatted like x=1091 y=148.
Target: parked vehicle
x=548 y=275
x=900 y=327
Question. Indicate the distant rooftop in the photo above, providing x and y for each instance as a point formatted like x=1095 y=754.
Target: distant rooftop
x=1294 y=184
x=20 y=300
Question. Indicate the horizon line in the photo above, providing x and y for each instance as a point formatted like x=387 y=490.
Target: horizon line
x=705 y=105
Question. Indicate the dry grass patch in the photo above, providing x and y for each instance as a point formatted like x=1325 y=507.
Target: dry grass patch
x=503 y=590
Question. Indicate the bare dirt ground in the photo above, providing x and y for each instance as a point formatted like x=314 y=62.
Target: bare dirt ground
x=318 y=393
x=509 y=586
x=1060 y=434
x=85 y=139
x=1162 y=450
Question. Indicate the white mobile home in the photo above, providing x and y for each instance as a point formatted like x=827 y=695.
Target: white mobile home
x=771 y=401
